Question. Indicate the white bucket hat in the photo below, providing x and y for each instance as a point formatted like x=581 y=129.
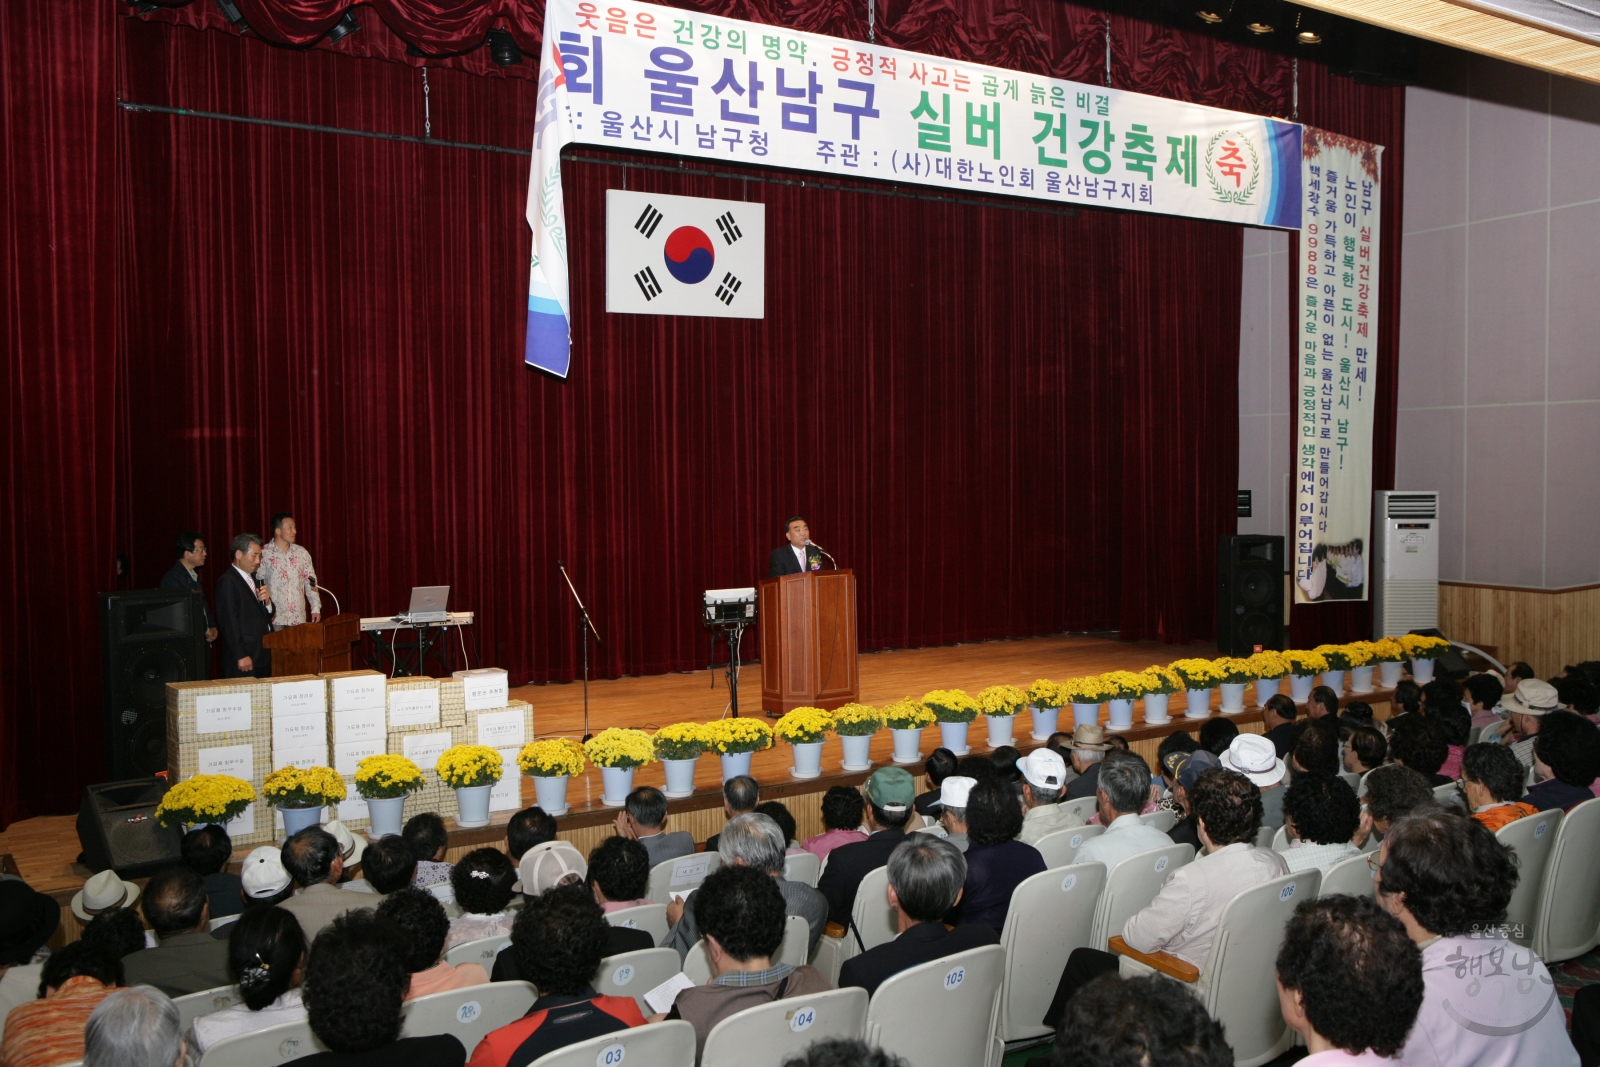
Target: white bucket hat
x=101 y=893
x=1254 y=757
x=1533 y=697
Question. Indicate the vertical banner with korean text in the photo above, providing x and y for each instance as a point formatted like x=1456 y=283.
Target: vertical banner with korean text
x=1336 y=350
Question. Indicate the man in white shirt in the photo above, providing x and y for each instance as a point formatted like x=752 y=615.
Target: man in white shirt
x=1121 y=793
x=798 y=556
x=1044 y=782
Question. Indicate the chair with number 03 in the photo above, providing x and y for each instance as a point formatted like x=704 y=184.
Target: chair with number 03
x=633 y=974
x=664 y=1044
x=1061 y=902
x=944 y=1012
x=768 y=1035
x=1238 y=983
x=467 y=1014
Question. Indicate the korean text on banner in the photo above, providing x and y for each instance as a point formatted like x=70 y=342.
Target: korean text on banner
x=640 y=76
x=1337 y=356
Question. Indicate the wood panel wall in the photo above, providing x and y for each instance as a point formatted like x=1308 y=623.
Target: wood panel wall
x=1547 y=628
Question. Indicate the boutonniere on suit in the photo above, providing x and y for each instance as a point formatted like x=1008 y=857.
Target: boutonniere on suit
x=816 y=563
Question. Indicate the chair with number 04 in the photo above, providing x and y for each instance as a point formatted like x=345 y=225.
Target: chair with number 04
x=944 y=1012
x=664 y=1044
x=768 y=1035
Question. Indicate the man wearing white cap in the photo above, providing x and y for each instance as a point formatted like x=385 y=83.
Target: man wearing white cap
x=1530 y=701
x=952 y=808
x=1255 y=757
x=262 y=878
x=1044 y=783
x=1123 y=788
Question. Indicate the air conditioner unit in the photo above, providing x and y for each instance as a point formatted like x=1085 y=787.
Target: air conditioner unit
x=1405 y=587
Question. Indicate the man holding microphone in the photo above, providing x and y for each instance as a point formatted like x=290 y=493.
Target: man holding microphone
x=244 y=612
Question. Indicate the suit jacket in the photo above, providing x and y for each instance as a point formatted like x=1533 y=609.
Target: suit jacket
x=848 y=864
x=663 y=847
x=184 y=963
x=1085 y=784
x=178 y=580
x=1282 y=736
x=922 y=943
x=242 y=621
x=783 y=561
x=318 y=905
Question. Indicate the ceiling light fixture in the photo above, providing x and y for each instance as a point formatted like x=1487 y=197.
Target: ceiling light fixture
x=1307 y=37
x=346 y=25
x=1208 y=16
x=1259 y=28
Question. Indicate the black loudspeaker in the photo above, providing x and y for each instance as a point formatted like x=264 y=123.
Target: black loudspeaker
x=118 y=830
x=1249 y=593
x=148 y=637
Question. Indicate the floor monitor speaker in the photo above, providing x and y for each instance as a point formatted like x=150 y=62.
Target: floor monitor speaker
x=118 y=830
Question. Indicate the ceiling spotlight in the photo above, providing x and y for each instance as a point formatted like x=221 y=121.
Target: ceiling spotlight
x=1208 y=16
x=1259 y=28
x=1307 y=37
x=231 y=12
x=346 y=25
x=504 y=49
x=144 y=7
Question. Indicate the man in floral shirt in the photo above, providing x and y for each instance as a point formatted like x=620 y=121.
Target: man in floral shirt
x=290 y=575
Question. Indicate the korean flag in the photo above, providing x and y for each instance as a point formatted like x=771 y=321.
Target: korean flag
x=685 y=255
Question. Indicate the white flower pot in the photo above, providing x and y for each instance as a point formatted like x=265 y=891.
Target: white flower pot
x=907 y=745
x=1001 y=729
x=1334 y=680
x=680 y=777
x=297 y=819
x=387 y=815
x=1121 y=714
x=1233 y=695
x=616 y=784
x=1266 y=689
x=1044 y=722
x=1300 y=686
x=1155 y=708
x=735 y=763
x=807 y=760
x=472 y=805
x=1361 y=679
x=1199 y=704
x=1085 y=715
x=1422 y=671
x=953 y=735
x=857 y=751
x=550 y=793
x=1389 y=674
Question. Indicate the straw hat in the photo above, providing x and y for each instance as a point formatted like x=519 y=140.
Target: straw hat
x=101 y=893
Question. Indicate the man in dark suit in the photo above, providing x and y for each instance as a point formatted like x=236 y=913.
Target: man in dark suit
x=188 y=958
x=925 y=879
x=796 y=556
x=1278 y=717
x=890 y=794
x=244 y=613
x=183 y=577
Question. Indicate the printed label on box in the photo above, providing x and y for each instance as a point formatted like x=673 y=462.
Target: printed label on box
x=485 y=692
x=425 y=749
x=222 y=714
x=300 y=731
x=297 y=698
x=242 y=824
x=499 y=729
x=364 y=725
x=507 y=792
x=361 y=693
x=237 y=760
x=347 y=754
x=413 y=707
x=353 y=808
x=308 y=756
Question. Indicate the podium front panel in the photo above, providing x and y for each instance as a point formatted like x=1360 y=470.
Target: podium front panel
x=808 y=640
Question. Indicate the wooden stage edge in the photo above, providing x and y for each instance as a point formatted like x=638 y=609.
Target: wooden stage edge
x=45 y=848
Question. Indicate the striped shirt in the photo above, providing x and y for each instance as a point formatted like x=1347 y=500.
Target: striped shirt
x=44 y=1033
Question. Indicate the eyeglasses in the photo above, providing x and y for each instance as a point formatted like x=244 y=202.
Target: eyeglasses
x=1372 y=861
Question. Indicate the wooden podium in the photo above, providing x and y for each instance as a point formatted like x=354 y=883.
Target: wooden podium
x=314 y=647
x=808 y=640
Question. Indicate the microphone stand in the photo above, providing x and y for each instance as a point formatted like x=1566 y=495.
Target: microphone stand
x=324 y=589
x=588 y=628
x=825 y=552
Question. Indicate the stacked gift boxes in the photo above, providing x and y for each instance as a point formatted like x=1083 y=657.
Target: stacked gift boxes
x=506 y=729
x=357 y=728
x=426 y=716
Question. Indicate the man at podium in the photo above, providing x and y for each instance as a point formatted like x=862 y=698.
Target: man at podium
x=796 y=556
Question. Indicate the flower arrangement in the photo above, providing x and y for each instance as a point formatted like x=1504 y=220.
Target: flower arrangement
x=387 y=776
x=681 y=740
x=730 y=736
x=1387 y=650
x=804 y=726
x=1338 y=659
x=1087 y=689
x=1235 y=671
x=1420 y=646
x=908 y=714
x=1360 y=653
x=1124 y=685
x=857 y=720
x=554 y=757
x=311 y=787
x=1268 y=664
x=1002 y=701
x=205 y=798
x=619 y=747
x=466 y=766
x=1044 y=693
x=951 y=705
x=1198 y=673
x=1161 y=681
x=1302 y=662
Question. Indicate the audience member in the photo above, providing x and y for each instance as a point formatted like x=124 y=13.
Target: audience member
x=1321 y=814
x=1124 y=788
x=1439 y=694
x=619 y=874
x=778 y=812
x=119 y=931
x=1487 y=1000
x=753 y=841
x=1186 y=831
x=740 y=912
x=553 y=863
x=528 y=827
x=1170 y=754
x=926 y=876
x=1483 y=693
x=644 y=817
x=1138 y=1022
x=263 y=881
x=1367 y=748
x=1516 y=674
x=940 y=764
x=1586 y=1025
x=952 y=810
x=1532 y=700
x=1417 y=742
x=206 y=851
x=390 y=864
x=1085 y=751
x=49 y=1031
x=740 y=795
x=558 y=865
x=1060 y=743
x=482 y=881
x=423 y=925
x=1491 y=782
x=1566 y=760
x=1579 y=693
x=355 y=983
x=1217 y=734
x=1044 y=783
x=1456 y=724
x=102 y=892
x=312 y=858
x=1314 y=746
x=1118 y=743
x=844 y=1052
x=1356 y=713
x=1324 y=701
x=996 y=861
x=1406 y=699
x=1349 y=982
x=889 y=795
x=27 y=921
x=266 y=960
x=841 y=814
x=1254 y=757
x=975 y=767
x=352 y=847
x=1183 y=917
x=187 y=959
x=138 y=1027
x=1277 y=720
x=426 y=835
x=1393 y=792
x=1005 y=760
x=559 y=940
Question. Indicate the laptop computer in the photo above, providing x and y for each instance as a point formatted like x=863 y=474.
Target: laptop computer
x=427 y=603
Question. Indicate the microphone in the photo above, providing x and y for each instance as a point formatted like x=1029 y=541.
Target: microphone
x=261 y=584
x=812 y=544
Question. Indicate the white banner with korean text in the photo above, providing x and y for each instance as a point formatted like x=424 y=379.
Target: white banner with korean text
x=1337 y=354
x=639 y=76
